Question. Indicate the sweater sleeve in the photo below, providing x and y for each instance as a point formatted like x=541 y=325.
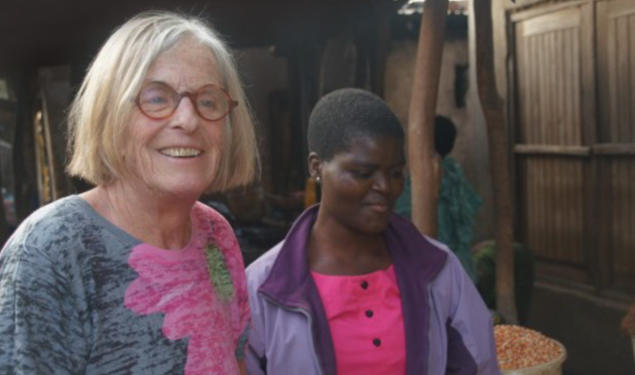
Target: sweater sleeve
x=471 y=346
x=41 y=330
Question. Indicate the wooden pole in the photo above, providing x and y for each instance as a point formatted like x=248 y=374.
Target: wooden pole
x=422 y=158
x=499 y=160
x=25 y=183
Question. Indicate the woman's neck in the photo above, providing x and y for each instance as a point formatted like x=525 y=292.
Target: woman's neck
x=162 y=221
x=336 y=249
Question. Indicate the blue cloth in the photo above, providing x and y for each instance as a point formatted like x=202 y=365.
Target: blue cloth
x=456 y=209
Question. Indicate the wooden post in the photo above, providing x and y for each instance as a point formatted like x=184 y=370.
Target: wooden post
x=24 y=179
x=423 y=102
x=380 y=48
x=499 y=160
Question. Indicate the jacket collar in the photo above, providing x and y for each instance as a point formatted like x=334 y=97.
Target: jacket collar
x=290 y=276
x=290 y=284
x=416 y=260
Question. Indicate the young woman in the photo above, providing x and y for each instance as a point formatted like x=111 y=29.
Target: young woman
x=353 y=288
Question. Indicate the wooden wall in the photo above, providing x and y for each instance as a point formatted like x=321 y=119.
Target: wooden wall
x=574 y=139
x=616 y=84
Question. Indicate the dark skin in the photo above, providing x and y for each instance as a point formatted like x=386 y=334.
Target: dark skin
x=359 y=188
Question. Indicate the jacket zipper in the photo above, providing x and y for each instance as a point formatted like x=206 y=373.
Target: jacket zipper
x=308 y=317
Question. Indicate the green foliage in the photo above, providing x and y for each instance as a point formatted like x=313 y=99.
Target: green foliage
x=485 y=259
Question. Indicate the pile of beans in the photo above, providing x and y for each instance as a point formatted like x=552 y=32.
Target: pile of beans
x=519 y=347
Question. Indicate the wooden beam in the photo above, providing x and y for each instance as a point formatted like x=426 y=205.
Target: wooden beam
x=563 y=150
x=423 y=102
x=493 y=111
x=532 y=12
x=607 y=149
x=614 y=149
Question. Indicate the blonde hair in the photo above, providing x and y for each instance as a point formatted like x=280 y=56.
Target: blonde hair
x=104 y=104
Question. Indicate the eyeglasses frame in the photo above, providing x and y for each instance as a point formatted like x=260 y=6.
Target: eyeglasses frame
x=192 y=96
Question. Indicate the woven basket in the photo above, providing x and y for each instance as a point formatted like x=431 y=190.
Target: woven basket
x=554 y=367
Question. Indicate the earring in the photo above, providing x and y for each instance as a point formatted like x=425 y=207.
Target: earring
x=318 y=180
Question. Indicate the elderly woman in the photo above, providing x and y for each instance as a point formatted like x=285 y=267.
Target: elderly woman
x=353 y=288
x=135 y=276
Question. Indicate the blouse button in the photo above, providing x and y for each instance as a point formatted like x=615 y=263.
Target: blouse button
x=376 y=342
x=369 y=313
x=364 y=284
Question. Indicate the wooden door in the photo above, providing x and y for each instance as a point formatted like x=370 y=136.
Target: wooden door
x=615 y=151
x=554 y=115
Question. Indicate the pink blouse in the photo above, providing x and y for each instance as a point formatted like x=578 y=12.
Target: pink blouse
x=366 y=322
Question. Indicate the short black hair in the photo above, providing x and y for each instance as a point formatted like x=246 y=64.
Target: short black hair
x=345 y=114
x=444 y=135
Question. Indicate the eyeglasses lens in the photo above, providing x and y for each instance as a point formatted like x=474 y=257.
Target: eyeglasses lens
x=158 y=100
x=211 y=103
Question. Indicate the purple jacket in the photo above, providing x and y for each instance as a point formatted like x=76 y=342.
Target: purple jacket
x=447 y=327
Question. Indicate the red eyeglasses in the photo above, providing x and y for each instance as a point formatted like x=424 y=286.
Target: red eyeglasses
x=158 y=101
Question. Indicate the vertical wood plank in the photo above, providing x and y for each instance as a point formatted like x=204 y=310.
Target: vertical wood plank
x=587 y=135
x=629 y=223
x=524 y=86
x=618 y=233
x=630 y=220
x=564 y=84
x=544 y=105
x=631 y=49
x=623 y=72
x=547 y=52
x=570 y=94
x=580 y=236
x=587 y=131
x=624 y=213
x=602 y=50
x=538 y=225
x=529 y=217
x=533 y=101
x=546 y=214
x=612 y=83
x=570 y=205
x=599 y=264
x=559 y=233
x=601 y=210
x=576 y=56
x=523 y=74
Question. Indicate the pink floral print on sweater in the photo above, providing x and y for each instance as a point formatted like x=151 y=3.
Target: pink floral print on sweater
x=177 y=283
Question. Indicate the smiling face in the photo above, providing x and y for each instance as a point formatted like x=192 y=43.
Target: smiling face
x=178 y=155
x=361 y=184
